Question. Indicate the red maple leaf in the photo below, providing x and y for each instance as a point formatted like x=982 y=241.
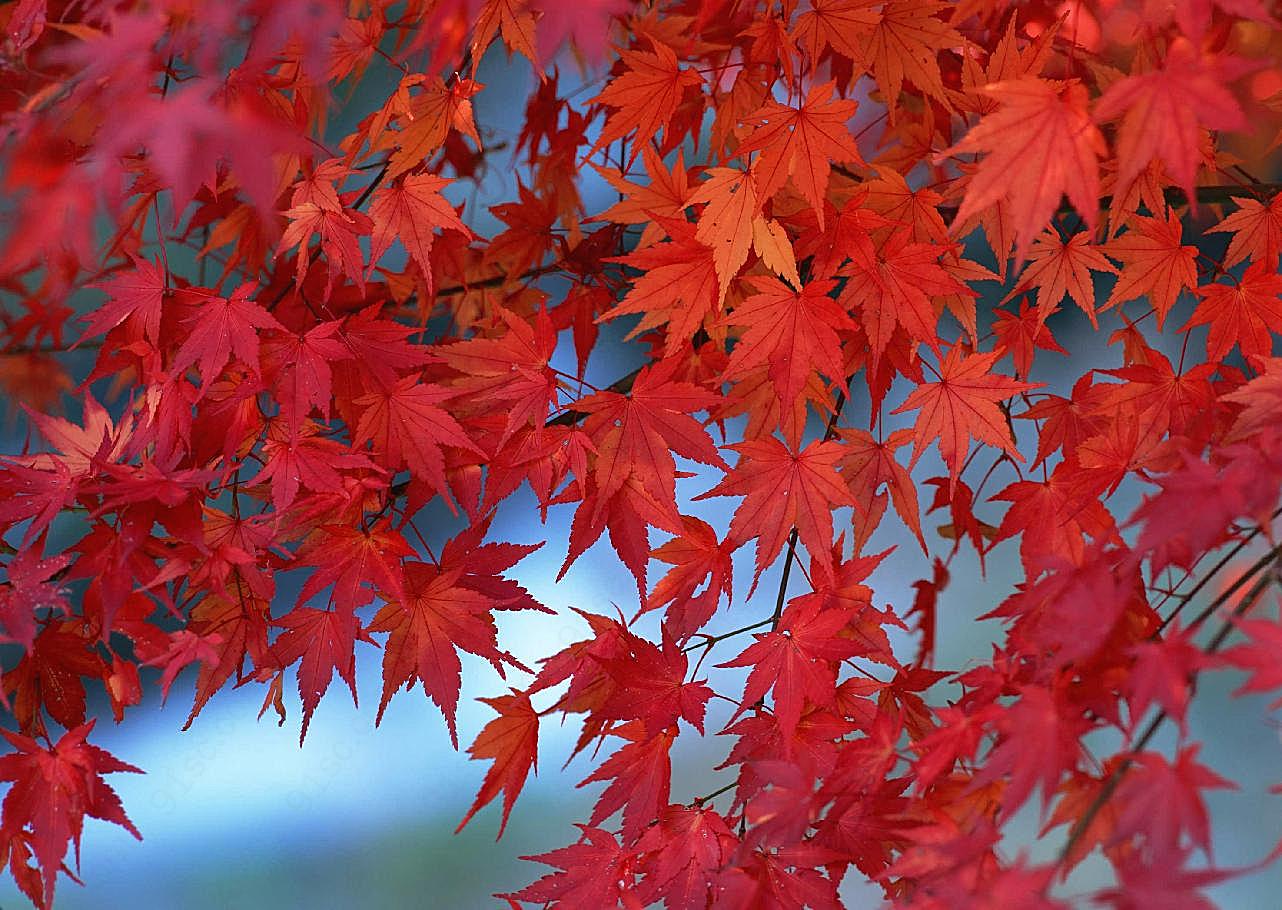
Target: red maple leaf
x=135 y=297
x=681 y=856
x=1041 y=146
x=325 y=640
x=52 y=791
x=512 y=741
x=797 y=661
x=1162 y=800
x=695 y=556
x=783 y=489
x=962 y=406
x=791 y=332
x=594 y=873
x=31 y=586
x=635 y=434
x=640 y=776
x=1164 y=111
x=411 y=210
x=1155 y=263
x=221 y=327
x=801 y=143
x=896 y=286
x=407 y=429
x=650 y=686
x=1247 y=314
x=645 y=96
x=436 y=618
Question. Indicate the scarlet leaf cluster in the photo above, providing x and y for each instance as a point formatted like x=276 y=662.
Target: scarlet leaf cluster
x=839 y=243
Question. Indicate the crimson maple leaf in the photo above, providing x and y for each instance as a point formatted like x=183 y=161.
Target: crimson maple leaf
x=1162 y=800
x=31 y=586
x=411 y=210
x=695 y=556
x=298 y=369
x=797 y=661
x=784 y=489
x=962 y=406
x=53 y=790
x=512 y=369
x=135 y=297
x=640 y=776
x=221 y=327
x=635 y=434
x=512 y=741
x=1038 y=744
x=325 y=640
x=349 y=559
x=407 y=429
x=436 y=618
x=681 y=855
x=594 y=873
x=650 y=685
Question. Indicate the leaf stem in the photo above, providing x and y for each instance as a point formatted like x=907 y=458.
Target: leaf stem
x=829 y=432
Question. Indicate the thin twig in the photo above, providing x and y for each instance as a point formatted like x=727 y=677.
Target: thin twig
x=1215 y=570
x=1114 y=779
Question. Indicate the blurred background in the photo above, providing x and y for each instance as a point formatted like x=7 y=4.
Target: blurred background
x=235 y=814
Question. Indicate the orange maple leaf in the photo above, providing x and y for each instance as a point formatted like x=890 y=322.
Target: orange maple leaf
x=840 y=24
x=1041 y=146
x=411 y=210
x=515 y=21
x=1256 y=230
x=730 y=206
x=512 y=741
x=678 y=286
x=1057 y=267
x=1154 y=263
x=801 y=142
x=667 y=195
x=427 y=119
x=645 y=97
x=905 y=44
x=1248 y=314
x=794 y=332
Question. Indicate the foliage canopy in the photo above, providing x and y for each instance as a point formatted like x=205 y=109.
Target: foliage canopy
x=302 y=344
